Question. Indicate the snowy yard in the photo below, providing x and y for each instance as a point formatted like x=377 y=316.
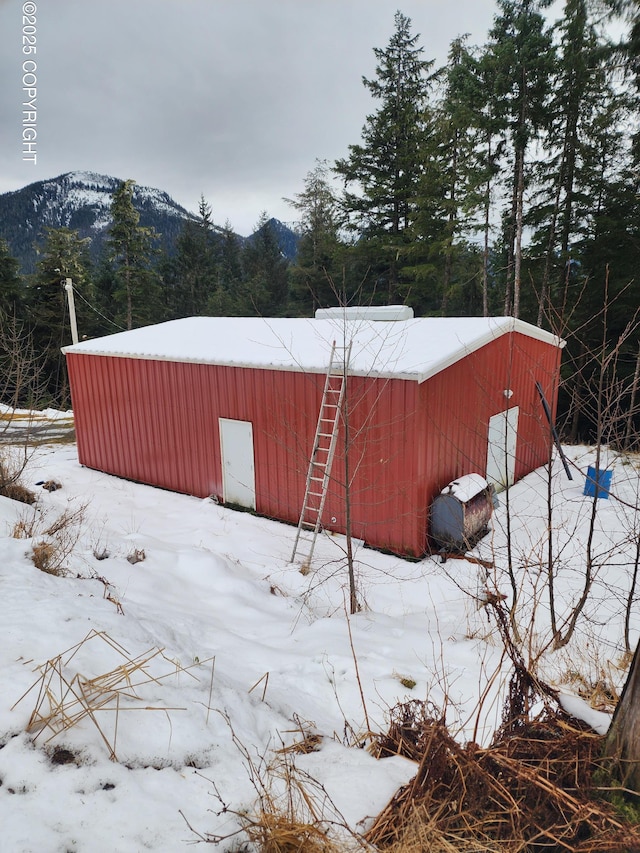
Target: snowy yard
x=254 y=654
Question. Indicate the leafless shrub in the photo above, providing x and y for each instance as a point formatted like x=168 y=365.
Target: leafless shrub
x=12 y=465
x=18 y=492
x=44 y=557
x=54 y=542
x=532 y=789
x=293 y=811
x=21 y=375
x=69 y=518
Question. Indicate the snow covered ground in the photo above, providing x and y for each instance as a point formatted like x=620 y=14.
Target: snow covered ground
x=254 y=653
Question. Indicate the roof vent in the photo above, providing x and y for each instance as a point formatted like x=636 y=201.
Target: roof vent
x=380 y=313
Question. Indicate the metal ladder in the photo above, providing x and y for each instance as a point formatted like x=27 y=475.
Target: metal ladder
x=324 y=447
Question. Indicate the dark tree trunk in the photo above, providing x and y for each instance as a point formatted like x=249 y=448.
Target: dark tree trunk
x=622 y=746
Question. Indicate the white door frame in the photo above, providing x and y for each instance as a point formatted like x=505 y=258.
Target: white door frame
x=502 y=439
x=236 y=456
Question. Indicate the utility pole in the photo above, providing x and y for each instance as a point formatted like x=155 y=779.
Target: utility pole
x=68 y=286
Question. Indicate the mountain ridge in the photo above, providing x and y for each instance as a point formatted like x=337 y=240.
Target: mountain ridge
x=81 y=200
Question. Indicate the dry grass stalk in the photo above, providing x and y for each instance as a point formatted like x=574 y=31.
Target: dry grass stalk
x=310 y=740
x=296 y=815
x=25 y=527
x=18 y=492
x=263 y=678
x=11 y=469
x=293 y=812
x=600 y=694
x=65 y=699
x=43 y=556
x=56 y=539
x=109 y=593
x=275 y=833
x=530 y=790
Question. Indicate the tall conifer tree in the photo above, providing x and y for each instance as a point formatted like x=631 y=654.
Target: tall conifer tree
x=451 y=189
x=194 y=267
x=520 y=61
x=130 y=248
x=316 y=273
x=265 y=288
x=581 y=96
x=11 y=287
x=385 y=168
x=64 y=254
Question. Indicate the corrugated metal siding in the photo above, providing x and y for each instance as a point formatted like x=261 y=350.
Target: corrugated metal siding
x=382 y=425
x=157 y=422
x=456 y=406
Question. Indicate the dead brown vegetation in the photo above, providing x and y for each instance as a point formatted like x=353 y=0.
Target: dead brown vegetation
x=66 y=698
x=17 y=492
x=293 y=812
x=531 y=790
x=11 y=468
x=53 y=541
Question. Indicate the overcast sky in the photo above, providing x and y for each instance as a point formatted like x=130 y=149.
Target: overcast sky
x=233 y=99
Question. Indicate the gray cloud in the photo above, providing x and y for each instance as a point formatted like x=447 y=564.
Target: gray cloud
x=231 y=98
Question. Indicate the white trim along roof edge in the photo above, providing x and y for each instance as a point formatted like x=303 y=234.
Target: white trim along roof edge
x=511 y=324
x=306 y=343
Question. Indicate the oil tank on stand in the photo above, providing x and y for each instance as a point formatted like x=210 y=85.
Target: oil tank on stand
x=460 y=514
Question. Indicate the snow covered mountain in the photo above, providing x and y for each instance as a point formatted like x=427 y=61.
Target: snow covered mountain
x=82 y=201
x=79 y=200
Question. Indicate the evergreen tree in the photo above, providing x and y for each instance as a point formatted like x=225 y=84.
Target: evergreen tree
x=11 y=286
x=457 y=150
x=226 y=299
x=63 y=255
x=130 y=250
x=451 y=188
x=265 y=289
x=581 y=94
x=629 y=53
x=316 y=273
x=385 y=168
x=19 y=368
x=194 y=267
x=519 y=60
x=105 y=286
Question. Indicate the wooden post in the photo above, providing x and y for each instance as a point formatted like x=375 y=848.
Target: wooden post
x=622 y=746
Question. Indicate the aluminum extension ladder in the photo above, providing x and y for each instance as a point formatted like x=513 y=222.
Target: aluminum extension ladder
x=324 y=448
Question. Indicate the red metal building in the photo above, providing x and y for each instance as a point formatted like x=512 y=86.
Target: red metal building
x=228 y=407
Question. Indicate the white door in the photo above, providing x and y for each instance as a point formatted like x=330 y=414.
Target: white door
x=501 y=450
x=238 y=474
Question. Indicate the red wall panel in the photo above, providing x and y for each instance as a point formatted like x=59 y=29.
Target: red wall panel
x=458 y=403
x=157 y=422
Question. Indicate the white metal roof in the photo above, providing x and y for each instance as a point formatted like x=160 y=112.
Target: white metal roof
x=407 y=349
